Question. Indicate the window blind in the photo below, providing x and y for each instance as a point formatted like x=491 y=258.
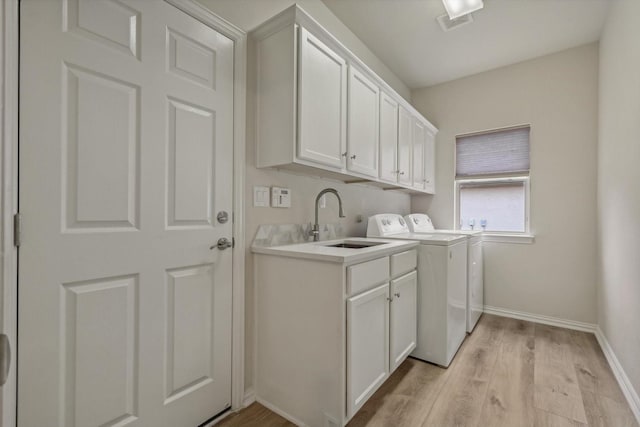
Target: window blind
x=493 y=153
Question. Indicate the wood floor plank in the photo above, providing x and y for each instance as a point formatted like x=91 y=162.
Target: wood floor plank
x=509 y=400
x=508 y=373
x=255 y=415
x=406 y=398
x=546 y=419
x=459 y=404
x=558 y=402
x=605 y=412
x=592 y=369
x=556 y=387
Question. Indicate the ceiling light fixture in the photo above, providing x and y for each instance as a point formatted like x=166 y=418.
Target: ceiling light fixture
x=458 y=8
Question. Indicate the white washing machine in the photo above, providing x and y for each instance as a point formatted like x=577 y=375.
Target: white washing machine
x=442 y=287
x=421 y=223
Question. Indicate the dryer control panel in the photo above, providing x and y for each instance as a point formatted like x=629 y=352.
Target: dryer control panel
x=382 y=225
x=419 y=223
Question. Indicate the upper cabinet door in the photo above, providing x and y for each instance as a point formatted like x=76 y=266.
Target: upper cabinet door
x=429 y=162
x=405 y=129
x=363 y=124
x=322 y=103
x=419 y=133
x=388 y=138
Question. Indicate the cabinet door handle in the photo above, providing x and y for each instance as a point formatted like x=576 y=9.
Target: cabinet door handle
x=401 y=173
x=397 y=295
x=353 y=157
x=389 y=299
x=344 y=154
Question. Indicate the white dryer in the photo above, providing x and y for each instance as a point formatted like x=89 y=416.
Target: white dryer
x=442 y=283
x=421 y=223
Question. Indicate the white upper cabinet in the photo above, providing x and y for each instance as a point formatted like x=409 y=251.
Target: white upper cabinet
x=388 y=138
x=362 y=150
x=429 y=161
x=405 y=131
x=322 y=101
x=417 y=171
x=320 y=109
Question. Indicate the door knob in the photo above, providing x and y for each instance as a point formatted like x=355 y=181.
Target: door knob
x=223 y=243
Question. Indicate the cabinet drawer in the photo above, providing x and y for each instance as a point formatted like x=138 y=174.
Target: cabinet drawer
x=403 y=262
x=361 y=277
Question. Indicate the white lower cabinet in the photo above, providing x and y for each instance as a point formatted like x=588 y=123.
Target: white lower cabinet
x=367 y=345
x=328 y=334
x=402 y=318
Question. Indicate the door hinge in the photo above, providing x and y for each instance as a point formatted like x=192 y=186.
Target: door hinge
x=5 y=358
x=17 y=230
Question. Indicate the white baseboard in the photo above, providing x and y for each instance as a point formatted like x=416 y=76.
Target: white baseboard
x=249 y=397
x=623 y=380
x=280 y=412
x=538 y=318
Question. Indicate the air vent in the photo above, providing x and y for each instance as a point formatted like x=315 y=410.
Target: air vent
x=450 y=24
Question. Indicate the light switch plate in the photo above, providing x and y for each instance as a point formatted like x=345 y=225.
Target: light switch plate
x=261 y=197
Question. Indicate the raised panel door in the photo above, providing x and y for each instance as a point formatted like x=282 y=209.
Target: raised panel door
x=417 y=140
x=403 y=320
x=388 y=138
x=322 y=103
x=125 y=315
x=405 y=131
x=363 y=132
x=367 y=345
x=429 y=162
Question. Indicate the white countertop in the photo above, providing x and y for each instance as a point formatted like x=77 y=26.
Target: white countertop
x=321 y=251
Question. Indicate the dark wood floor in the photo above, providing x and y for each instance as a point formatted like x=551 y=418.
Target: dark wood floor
x=508 y=373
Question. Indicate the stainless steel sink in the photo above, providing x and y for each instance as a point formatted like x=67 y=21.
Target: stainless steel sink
x=355 y=245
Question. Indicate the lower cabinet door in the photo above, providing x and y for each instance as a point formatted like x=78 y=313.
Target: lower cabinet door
x=403 y=321
x=367 y=345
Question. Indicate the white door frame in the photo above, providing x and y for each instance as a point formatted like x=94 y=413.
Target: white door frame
x=9 y=46
x=9 y=198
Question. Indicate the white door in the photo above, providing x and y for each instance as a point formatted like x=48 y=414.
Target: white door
x=125 y=160
x=367 y=345
x=363 y=124
x=429 y=162
x=417 y=175
x=388 y=138
x=403 y=321
x=322 y=103
x=405 y=130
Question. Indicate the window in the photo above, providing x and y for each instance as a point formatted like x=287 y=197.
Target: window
x=492 y=181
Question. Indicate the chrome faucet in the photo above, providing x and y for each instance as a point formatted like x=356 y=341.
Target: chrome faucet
x=315 y=231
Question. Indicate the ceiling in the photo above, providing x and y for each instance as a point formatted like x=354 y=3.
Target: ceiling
x=404 y=34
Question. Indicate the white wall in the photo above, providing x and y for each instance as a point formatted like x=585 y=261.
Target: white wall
x=619 y=186
x=358 y=199
x=557 y=95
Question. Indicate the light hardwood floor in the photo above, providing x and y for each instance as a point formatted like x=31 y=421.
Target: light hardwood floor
x=508 y=373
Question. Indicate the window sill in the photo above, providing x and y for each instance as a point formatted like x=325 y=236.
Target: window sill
x=524 y=239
